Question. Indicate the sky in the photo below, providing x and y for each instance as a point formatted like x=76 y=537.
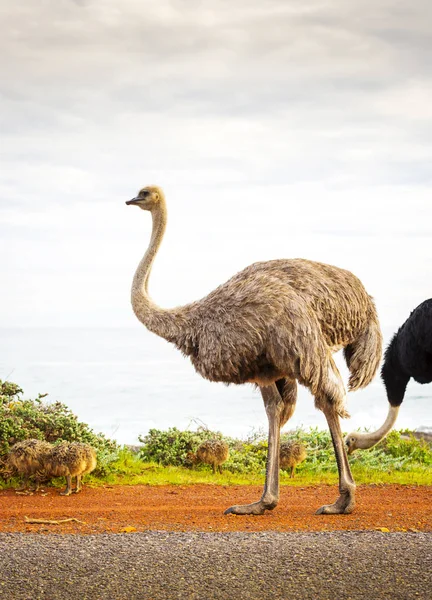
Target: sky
x=277 y=129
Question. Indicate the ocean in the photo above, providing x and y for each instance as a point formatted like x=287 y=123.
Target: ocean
x=125 y=381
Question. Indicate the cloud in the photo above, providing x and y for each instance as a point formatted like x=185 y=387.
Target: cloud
x=226 y=59
x=296 y=128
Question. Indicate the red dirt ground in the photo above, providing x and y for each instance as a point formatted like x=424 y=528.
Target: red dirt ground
x=110 y=509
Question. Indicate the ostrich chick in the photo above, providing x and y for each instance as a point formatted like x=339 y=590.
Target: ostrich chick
x=291 y=454
x=70 y=460
x=214 y=453
x=28 y=458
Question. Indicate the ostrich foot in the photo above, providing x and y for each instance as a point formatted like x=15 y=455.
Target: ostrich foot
x=66 y=493
x=77 y=491
x=344 y=505
x=256 y=508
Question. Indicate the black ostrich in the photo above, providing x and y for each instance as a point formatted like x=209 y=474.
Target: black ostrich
x=409 y=354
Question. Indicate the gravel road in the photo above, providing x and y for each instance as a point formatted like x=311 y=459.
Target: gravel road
x=232 y=566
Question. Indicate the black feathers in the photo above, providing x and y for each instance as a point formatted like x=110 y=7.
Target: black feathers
x=409 y=354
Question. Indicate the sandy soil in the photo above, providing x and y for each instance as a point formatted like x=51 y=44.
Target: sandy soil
x=114 y=509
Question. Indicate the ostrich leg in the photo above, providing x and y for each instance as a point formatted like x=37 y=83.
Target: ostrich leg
x=78 y=484
x=278 y=410
x=346 y=501
x=24 y=484
x=68 y=490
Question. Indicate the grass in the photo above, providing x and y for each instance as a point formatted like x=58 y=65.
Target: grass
x=165 y=457
x=159 y=475
x=400 y=459
x=152 y=474
x=129 y=469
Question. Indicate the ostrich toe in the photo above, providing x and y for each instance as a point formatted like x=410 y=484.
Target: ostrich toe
x=344 y=505
x=256 y=508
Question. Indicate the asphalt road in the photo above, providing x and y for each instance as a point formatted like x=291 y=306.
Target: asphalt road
x=232 y=566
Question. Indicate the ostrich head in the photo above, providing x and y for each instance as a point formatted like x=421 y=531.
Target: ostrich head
x=352 y=442
x=148 y=197
x=364 y=441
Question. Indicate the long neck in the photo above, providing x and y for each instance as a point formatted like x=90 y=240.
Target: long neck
x=142 y=274
x=395 y=381
x=393 y=374
x=164 y=323
x=367 y=440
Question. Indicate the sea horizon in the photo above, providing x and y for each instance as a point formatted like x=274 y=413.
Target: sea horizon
x=123 y=381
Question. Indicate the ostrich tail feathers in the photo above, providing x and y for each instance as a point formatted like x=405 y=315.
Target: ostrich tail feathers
x=344 y=414
x=363 y=357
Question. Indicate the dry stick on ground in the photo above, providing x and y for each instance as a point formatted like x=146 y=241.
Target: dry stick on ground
x=51 y=522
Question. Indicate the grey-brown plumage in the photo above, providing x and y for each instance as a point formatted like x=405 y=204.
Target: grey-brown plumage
x=70 y=459
x=214 y=453
x=28 y=458
x=273 y=324
x=291 y=454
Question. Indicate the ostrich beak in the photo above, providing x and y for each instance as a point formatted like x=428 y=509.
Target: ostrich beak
x=133 y=201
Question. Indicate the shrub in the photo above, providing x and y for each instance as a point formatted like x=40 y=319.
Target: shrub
x=22 y=419
x=402 y=444
x=173 y=447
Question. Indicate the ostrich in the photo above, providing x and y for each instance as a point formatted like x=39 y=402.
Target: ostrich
x=70 y=459
x=409 y=354
x=28 y=457
x=272 y=324
x=291 y=454
x=214 y=453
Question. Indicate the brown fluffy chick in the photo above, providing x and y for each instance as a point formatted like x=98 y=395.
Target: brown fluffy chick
x=214 y=453
x=70 y=459
x=28 y=458
x=291 y=454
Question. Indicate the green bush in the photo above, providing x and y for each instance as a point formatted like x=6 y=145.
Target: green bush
x=173 y=447
x=23 y=419
x=402 y=444
x=247 y=456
